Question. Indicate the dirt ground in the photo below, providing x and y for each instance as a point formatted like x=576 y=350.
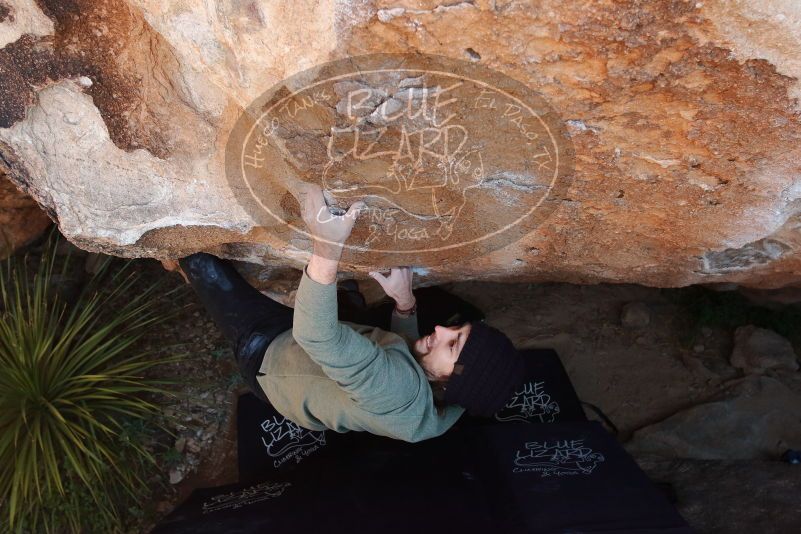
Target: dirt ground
x=639 y=376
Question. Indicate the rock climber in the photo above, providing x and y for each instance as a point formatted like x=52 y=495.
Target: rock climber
x=323 y=372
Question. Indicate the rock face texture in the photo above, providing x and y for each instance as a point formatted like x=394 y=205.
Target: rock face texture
x=706 y=489
x=758 y=349
x=21 y=219
x=757 y=418
x=684 y=118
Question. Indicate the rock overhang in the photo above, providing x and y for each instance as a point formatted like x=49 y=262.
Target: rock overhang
x=685 y=131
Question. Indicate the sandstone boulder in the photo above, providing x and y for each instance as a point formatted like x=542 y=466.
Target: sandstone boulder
x=759 y=349
x=736 y=497
x=21 y=219
x=683 y=115
x=756 y=419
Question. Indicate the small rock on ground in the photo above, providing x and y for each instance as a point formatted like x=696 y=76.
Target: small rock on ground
x=635 y=315
x=176 y=476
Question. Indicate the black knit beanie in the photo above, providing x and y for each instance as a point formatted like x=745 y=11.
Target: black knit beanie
x=487 y=372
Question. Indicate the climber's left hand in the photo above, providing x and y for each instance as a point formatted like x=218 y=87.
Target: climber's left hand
x=328 y=230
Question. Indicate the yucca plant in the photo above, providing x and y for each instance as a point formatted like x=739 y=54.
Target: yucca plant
x=73 y=384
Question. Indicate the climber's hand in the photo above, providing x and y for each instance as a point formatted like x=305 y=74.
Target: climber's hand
x=174 y=266
x=329 y=231
x=398 y=286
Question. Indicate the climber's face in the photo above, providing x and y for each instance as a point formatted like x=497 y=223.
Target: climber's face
x=437 y=352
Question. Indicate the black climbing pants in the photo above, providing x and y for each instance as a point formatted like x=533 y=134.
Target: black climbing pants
x=250 y=320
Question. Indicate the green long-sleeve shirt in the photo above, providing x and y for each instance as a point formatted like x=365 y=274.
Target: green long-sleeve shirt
x=330 y=374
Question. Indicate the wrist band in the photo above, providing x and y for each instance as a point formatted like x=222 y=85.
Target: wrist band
x=410 y=311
